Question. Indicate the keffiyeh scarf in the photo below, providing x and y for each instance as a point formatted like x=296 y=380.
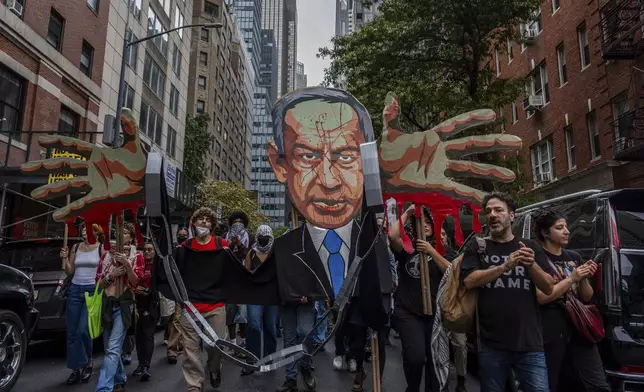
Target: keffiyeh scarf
x=264 y=231
x=440 y=336
x=238 y=230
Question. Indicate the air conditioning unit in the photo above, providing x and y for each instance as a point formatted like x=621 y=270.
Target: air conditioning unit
x=533 y=102
x=530 y=35
x=15 y=6
x=543 y=177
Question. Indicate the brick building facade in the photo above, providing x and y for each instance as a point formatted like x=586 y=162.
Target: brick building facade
x=578 y=104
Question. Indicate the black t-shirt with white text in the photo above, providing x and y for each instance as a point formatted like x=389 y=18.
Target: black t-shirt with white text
x=509 y=316
x=557 y=326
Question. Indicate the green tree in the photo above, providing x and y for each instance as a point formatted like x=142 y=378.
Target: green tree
x=231 y=196
x=278 y=231
x=196 y=145
x=434 y=54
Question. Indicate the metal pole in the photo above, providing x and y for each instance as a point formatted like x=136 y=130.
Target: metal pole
x=4 y=197
x=119 y=99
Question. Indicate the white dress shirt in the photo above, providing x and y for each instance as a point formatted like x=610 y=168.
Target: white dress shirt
x=318 y=234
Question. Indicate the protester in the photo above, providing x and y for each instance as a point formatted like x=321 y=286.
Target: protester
x=414 y=327
x=147 y=305
x=195 y=267
x=321 y=322
x=117 y=307
x=81 y=265
x=297 y=320
x=239 y=241
x=506 y=270
x=262 y=320
x=173 y=329
x=569 y=357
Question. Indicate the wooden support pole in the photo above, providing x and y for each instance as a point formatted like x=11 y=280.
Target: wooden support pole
x=375 y=361
x=120 y=247
x=424 y=268
x=66 y=235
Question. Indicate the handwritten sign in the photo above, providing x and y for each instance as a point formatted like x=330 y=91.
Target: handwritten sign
x=58 y=153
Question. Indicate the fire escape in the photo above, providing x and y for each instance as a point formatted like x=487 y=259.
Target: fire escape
x=622 y=27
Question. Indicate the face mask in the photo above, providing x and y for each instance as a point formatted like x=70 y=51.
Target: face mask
x=181 y=238
x=263 y=240
x=202 y=231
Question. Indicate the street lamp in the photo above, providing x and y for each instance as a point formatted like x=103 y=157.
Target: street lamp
x=126 y=44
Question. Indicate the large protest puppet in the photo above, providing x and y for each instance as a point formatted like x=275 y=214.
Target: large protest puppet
x=336 y=174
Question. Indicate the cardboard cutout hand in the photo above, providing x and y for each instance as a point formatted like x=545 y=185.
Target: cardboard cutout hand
x=111 y=178
x=423 y=162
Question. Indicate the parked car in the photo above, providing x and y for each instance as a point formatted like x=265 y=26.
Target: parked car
x=18 y=318
x=607 y=227
x=40 y=258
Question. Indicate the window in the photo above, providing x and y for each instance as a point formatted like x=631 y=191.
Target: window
x=561 y=64
x=135 y=8
x=220 y=104
x=497 y=61
x=201 y=106
x=93 y=4
x=11 y=100
x=178 y=20
x=227 y=74
x=55 y=30
x=225 y=136
x=570 y=147
x=166 y=6
x=221 y=82
x=211 y=9
x=87 y=55
x=543 y=161
x=151 y=123
x=593 y=133
x=584 y=49
x=555 y=6
x=128 y=97
x=222 y=60
x=203 y=58
x=174 y=100
x=535 y=25
x=153 y=77
x=171 y=144
x=68 y=122
x=510 y=52
x=620 y=109
x=205 y=35
x=176 y=60
x=218 y=126
x=131 y=52
x=515 y=112
x=538 y=83
x=202 y=82
x=155 y=27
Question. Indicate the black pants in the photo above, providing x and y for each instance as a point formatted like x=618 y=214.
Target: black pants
x=581 y=368
x=340 y=338
x=358 y=338
x=416 y=336
x=145 y=328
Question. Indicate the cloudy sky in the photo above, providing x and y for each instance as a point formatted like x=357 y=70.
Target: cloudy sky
x=315 y=28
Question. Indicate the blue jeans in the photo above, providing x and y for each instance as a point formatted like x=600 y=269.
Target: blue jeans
x=320 y=331
x=297 y=322
x=79 y=343
x=261 y=319
x=529 y=367
x=113 y=371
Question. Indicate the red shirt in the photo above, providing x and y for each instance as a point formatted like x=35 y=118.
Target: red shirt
x=147 y=274
x=211 y=245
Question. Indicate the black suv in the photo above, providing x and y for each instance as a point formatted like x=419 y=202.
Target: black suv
x=18 y=318
x=40 y=258
x=609 y=228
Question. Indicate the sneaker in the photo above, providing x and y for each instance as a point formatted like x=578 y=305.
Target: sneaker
x=308 y=378
x=358 y=381
x=138 y=371
x=74 y=378
x=215 y=379
x=246 y=372
x=353 y=366
x=86 y=374
x=289 y=385
x=172 y=360
x=338 y=362
x=127 y=359
x=145 y=374
x=119 y=388
x=165 y=342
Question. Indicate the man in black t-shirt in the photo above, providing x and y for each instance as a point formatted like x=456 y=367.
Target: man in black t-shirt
x=506 y=270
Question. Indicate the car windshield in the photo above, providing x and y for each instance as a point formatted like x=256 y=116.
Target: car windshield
x=32 y=257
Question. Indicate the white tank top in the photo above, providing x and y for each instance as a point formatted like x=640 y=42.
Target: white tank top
x=85 y=267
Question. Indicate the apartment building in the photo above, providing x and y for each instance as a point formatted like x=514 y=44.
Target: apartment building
x=580 y=114
x=220 y=83
x=51 y=71
x=301 y=79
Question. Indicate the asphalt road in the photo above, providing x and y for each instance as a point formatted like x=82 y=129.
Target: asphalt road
x=45 y=371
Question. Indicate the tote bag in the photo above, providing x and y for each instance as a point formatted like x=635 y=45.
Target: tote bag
x=94 y=307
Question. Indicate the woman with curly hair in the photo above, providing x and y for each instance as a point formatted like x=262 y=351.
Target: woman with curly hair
x=584 y=370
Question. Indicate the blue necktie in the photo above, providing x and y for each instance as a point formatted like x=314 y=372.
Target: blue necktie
x=333 y=244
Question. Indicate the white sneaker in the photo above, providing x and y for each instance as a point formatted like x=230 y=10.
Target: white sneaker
x=338 y=362
x=353 y=366
x=165 y=342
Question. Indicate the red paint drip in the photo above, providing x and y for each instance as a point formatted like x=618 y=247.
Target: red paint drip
x=441 y=206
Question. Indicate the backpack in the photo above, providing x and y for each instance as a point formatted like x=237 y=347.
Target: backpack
x=459 y=303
